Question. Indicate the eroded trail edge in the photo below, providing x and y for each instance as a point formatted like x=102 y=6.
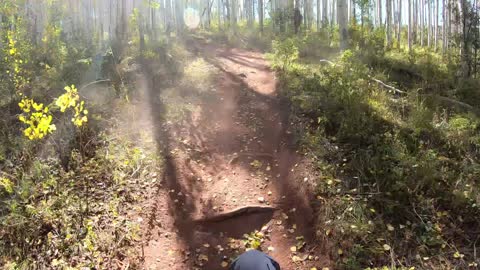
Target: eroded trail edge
x=231 y=168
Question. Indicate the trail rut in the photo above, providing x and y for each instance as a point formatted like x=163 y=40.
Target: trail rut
x=233 y=149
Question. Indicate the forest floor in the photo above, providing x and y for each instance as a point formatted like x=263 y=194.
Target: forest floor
x=224 y=135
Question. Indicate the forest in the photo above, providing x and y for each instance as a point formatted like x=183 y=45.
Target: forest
x=178 y=134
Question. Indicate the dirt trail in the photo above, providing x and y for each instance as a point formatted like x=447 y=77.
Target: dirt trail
x=233 y=150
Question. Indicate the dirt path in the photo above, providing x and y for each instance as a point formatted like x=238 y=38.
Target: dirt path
x=232 y=150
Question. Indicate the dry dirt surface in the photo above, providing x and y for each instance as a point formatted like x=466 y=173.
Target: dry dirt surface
x=229 y=169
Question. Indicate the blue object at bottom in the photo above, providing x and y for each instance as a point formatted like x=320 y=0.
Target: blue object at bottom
x=254 y=260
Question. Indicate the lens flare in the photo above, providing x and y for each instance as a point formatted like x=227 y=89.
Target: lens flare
x=192 y=18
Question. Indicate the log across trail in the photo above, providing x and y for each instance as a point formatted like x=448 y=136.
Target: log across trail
x=231 y=170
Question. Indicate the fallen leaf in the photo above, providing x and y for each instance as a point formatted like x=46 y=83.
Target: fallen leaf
x=390 y=227
x=224 y=264
x=386 y=247
x=296 y=259
x=203 y=257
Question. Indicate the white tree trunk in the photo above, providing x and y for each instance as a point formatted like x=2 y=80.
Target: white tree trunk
x=319 y=18
x=444 y=27
x=399 y=31
x=342 y=23
x=260 y=14
x=389 y=22
x=422 y=21
x=429 y=23
x=436 y=24
x=325 y=12
x=379 y=10
x=409 y=25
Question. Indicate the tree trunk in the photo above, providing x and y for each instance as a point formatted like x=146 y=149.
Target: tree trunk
x=429 y=23
x=233 y=12
x=260 y=14
x=436 y=24
x=465 y=52
x=318 y=15
x=168 y=16
x=141 y=28
x=179 y=9
x=422 y=21
x=325 y=13
x=354 y=12
x=444 y=27
x=389 y=22
x=409 y=25
x=342 y=23
x=228 y=15
x=333 y=20
x=379 y=10
x=399 y=31
x=219 y=13
x=414 y=21
x=309 y=13
x=124 y=20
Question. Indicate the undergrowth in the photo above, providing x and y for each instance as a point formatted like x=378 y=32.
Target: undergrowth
x=399 y=170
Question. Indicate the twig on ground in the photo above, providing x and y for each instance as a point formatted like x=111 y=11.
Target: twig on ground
x=236 y=213
x=326 y=61
x=93 y=83
x=456 y=102
x=396 y=90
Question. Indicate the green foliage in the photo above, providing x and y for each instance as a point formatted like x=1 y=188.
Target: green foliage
x=285 y=52
x=393 y=170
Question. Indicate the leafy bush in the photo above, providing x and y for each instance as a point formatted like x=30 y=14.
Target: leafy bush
x=397 y=172
x=285 y=52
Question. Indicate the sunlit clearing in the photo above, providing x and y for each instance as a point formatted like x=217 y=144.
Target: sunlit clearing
x=192 y=18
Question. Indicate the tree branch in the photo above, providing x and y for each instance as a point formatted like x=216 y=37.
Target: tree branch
x=92 y=83
x=396 y=90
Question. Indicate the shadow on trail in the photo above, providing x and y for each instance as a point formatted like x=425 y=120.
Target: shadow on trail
x=179 y=206
x=180 y=180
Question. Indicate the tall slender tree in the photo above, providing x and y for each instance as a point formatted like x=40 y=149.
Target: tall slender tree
x=399 y=32
x=325 y=12
x=261 y=13
x=342 y=23
x=389 y=22
x=436 y=16
x=409 y=25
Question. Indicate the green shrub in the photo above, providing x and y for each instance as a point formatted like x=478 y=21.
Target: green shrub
x=285 y=52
